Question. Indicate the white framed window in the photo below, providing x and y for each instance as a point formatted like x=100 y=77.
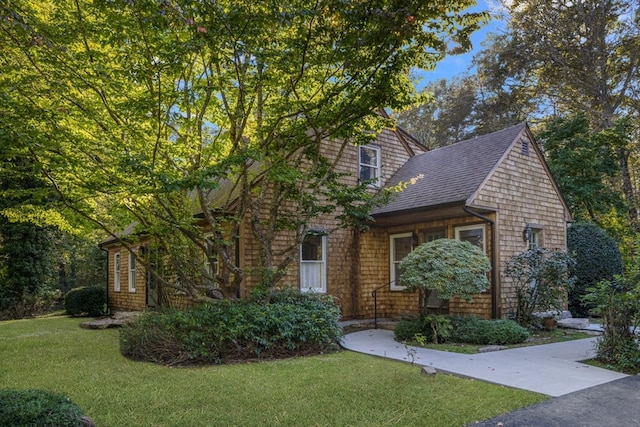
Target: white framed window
x=534 y=238
x=132 y=272
x=313 y=263
x=211 y=262
x=370 y=164
x=474 y=234
x=400 y=246
x=116 y=272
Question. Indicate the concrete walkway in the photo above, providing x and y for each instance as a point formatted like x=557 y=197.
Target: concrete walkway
x=551 y=369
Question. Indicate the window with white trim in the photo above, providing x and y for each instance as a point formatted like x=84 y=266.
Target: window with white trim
x=132 y=272
x=400 y=246
x=313 y=263
x=211 y=263
x=370 y=169
x=534 y=238
x=474 y=234
x=116 y=272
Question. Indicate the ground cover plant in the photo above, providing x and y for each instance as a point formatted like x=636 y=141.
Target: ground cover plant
x=341 y=388
x=463 y=329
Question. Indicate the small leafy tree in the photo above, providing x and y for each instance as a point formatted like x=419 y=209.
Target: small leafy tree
x=541 y=279
x=453 y=268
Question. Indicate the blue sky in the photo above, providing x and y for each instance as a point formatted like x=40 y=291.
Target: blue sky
x=456 y=64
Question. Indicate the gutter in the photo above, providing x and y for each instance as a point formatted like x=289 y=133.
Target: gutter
x=494 y=288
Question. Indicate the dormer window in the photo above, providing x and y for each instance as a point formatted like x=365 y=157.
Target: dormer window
x=370 y=165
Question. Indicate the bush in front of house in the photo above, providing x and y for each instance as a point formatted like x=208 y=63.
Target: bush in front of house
x=597 y=258
x=272 y=325
x=473 y=330
x=86 y=300
x=465 y=329
x=407 y=329
x=22 y=408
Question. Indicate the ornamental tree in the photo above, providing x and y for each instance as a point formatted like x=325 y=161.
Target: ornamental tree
x=454 y=268
x=148 y=112
x=541 y=278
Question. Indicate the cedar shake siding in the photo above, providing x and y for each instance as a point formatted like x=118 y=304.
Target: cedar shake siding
x=486 y=190
x=499 y=178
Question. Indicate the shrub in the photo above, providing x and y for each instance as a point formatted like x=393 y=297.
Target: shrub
x=617 y=302
x=41 y=408
x=541 y=279
x=463 y=329
x=472 y=330
x=279 y=324
x=597 y=258
x=406 y=330
x=85 y=301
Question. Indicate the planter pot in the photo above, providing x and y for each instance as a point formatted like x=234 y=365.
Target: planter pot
x=549 y=323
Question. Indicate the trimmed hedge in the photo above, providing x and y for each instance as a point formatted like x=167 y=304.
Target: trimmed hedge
x=27 y=408
x=467 y=329
x=280 y=324
x=597 y=258
x=473 y=330
x=89 y=301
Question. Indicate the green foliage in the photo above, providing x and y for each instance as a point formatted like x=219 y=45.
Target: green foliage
x=617 y=303
x=454 y=268
x=473 y=330
x=146 y=112
x=90 y=301
x=541 y=279
x=462 y=329
x=582 y=162
x=283 y=324
x=27 y=408
x=597 y=258
x=406 y=329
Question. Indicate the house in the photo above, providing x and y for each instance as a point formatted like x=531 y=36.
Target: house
x=495 y=191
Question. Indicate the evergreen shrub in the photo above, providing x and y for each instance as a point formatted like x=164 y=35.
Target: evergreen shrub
x=597 y=258
x=473 y=330
x=26 y=408
x=466 y=329
x=89 y=301
x=271 y=325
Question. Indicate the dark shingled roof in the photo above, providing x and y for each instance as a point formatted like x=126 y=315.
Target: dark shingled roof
x=451 y=174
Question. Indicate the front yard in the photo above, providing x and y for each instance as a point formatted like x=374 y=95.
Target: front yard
x=342 y=388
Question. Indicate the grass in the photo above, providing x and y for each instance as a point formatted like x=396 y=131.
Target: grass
x=536 y=338
x=339 y=389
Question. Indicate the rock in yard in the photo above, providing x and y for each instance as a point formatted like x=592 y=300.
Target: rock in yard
x=429 y=370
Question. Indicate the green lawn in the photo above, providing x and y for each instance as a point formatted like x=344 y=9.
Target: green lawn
x=339 y=389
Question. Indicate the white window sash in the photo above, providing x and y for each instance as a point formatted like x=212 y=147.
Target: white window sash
x=116 y=272
x=313 y=273
x=393 y=262
x=375 y=167
x=132 y=272
x=474 y=227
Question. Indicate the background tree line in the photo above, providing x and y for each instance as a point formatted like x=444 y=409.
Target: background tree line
x=571 y=69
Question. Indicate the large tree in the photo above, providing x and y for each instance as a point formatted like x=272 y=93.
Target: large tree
x=580 y=56
x=138 y=111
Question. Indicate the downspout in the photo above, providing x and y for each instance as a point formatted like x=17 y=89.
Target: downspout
x=494 y=289
x=107 y=252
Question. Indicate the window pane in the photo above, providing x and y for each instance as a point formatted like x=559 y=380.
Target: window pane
x=368 y=156
x=473 y=236
x=402 y=247
x=312 y=248
x=430 y=236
